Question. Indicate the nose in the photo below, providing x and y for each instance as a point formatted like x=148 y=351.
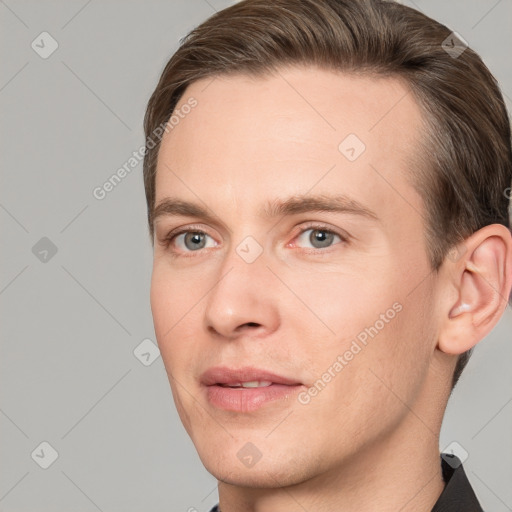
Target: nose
x=244 y=299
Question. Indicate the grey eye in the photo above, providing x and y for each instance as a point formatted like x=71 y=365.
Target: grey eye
x=318 y=238
x=321 y=238
x=192 y=240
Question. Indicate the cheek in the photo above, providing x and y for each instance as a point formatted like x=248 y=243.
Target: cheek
x=162 y=305
x=341 y=303
x=177 y=304
x=172 y=295
x=369 y=318
x=169 y=306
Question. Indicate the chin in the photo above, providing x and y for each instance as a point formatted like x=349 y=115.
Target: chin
x=280 y=470
x=265 y=476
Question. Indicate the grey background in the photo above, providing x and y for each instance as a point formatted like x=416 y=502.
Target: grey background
x=70 y=324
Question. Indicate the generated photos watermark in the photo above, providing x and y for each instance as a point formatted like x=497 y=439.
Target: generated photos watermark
x=357 y=345
x=100 y=192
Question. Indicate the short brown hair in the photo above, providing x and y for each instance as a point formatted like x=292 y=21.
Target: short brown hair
x=466 y=152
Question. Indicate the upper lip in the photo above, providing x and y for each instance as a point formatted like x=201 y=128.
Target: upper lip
x=226 y=375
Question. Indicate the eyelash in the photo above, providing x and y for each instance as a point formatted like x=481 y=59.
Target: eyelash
x=194 y=229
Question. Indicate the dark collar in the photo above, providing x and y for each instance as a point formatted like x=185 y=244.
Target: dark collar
x=457 y=495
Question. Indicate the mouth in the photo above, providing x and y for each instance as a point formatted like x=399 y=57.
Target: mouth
x=250 y=384
x=247 y=377
x=246 y=389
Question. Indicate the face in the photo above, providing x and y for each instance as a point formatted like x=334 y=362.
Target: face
x=308 y=262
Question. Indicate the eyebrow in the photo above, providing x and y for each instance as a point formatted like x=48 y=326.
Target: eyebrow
x=171 y=206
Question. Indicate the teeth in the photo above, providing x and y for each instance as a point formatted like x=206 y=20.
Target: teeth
x=256 y=384
x=251 y=384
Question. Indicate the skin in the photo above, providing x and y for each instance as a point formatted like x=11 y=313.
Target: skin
x=369 y=439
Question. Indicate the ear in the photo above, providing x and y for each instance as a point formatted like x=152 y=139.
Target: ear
x=478 y=282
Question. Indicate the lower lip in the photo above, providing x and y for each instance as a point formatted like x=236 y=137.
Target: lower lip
x=248 y=399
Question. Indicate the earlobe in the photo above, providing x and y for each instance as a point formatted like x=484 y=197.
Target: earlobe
x=482 y=279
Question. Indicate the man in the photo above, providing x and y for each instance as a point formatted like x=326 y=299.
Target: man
x=327 y=200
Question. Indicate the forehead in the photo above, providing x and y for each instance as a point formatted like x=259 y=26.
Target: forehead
x=252 y=136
